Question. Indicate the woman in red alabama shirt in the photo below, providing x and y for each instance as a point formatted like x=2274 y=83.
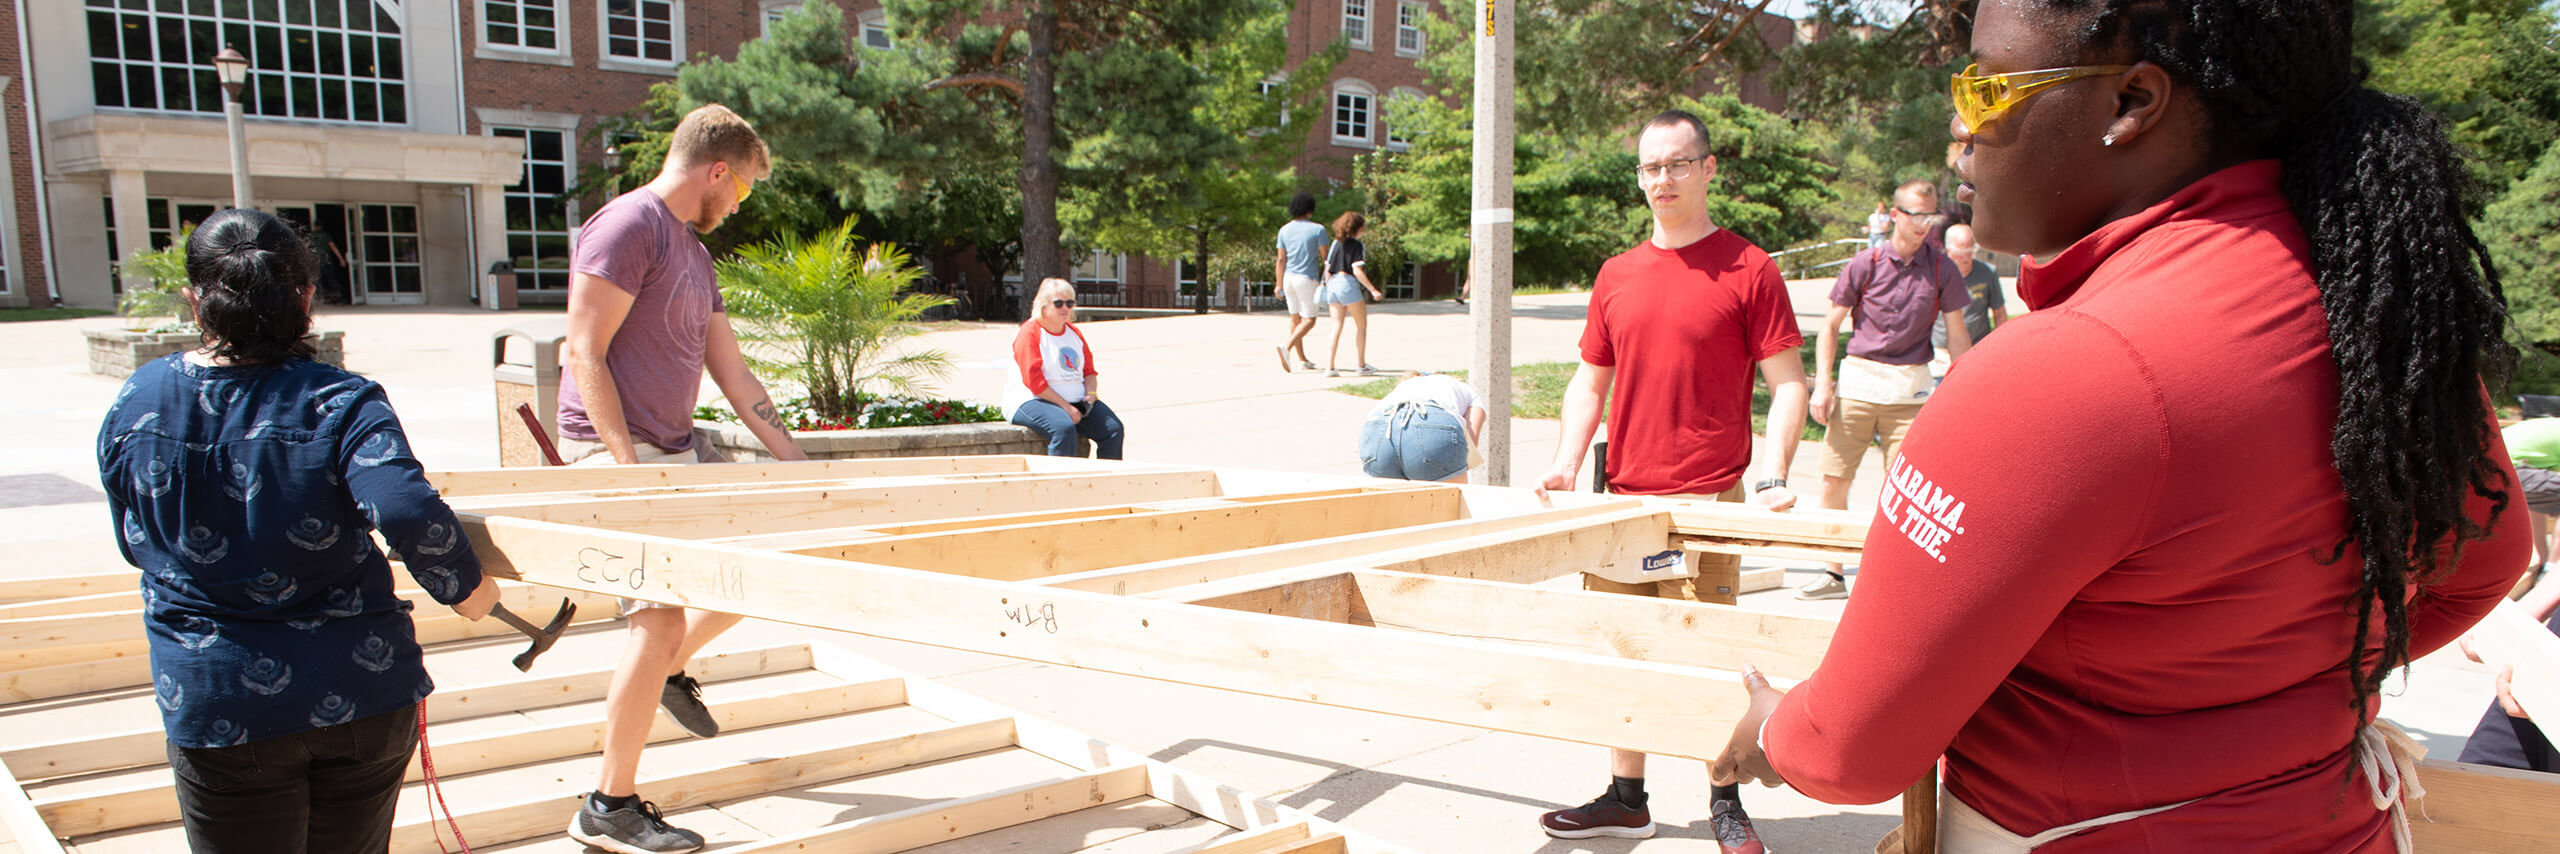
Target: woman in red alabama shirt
x=2116 y=575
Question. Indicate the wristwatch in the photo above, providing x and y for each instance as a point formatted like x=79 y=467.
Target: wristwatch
x=1767 y=484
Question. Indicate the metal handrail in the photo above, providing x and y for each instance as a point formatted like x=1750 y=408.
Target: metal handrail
x=1840 y=242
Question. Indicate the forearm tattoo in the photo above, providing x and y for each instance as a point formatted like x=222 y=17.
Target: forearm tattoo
x=764 y=410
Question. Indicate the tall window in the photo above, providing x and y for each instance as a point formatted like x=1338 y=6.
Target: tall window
x=1405 y=284
x=390 y=262
x=525 y=24
x=1355 y=22
x=1397 y=137
x=1099 y=267
x=1354 y=109
x=1408 y=28
x=875 y=30
x=339 y=60
x=640 y=29
x=538 y=210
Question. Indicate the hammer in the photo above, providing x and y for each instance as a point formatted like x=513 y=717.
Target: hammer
x=542 y=637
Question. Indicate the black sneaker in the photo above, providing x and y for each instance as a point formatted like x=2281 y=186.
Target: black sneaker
x=635 y=829
x=682 y=699
x=1603 y=816
x=1732 y=826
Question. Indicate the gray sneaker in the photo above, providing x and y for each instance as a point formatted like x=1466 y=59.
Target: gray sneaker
x=1826 y=587
x=635 y=829
x=682 y=699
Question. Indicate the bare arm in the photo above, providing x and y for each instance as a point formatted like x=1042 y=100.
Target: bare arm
x=1475 y=426
x=1784 y=372
x=596 y=310
x=746 y=394
x=1959 y=337
x=1826 y=363
x=1360 y=270
x=1583 y=399
x=1280 y=268
x=1999 y=316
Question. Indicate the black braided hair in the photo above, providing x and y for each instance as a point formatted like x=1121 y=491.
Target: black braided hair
x=2416 y=314
x=252 y=275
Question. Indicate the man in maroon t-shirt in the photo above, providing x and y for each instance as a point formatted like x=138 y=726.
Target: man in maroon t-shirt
x=1675 y=328
x=645 y=321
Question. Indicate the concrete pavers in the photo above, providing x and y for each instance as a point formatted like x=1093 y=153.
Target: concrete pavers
x=1194 y=390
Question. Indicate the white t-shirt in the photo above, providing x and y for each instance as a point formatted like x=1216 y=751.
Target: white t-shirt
x=1061 y=363
x=1450 y=394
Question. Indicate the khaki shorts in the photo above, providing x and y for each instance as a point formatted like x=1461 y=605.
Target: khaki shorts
x=1858 y=425
x=1708 y=566
x=579 y=452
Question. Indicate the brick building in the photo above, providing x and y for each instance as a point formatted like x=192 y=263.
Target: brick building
x=431 y=139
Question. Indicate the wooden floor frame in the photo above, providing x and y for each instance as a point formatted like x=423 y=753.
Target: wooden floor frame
x=1444 y=603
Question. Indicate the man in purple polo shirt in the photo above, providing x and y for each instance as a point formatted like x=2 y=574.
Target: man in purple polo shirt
x=1895 y=292
x=645 y=321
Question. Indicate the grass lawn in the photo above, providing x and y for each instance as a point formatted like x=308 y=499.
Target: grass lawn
x=1537 y=391
x=22 y=315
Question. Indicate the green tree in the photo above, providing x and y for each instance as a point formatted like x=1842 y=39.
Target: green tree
x=1582 y=85
x=2490 y=67
x=835 y=311
x=2522 y=230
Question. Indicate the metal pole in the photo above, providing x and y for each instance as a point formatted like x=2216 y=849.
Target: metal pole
x=239 y=151
x=1489 y=258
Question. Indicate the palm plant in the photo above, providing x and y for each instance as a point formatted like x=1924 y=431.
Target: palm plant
x=828 y=315
x=154 y=278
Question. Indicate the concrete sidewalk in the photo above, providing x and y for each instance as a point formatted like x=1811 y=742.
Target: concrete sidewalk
x=1200 y=390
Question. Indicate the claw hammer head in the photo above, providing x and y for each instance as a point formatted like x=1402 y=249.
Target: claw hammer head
x=543 y=637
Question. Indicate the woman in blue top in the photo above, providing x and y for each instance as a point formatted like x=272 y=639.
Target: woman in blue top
x=245 y=480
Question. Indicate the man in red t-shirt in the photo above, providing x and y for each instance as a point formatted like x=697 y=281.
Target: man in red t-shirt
x=1675 y=327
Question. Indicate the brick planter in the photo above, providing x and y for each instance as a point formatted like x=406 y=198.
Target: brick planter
x=116 y=352
x=940 y=440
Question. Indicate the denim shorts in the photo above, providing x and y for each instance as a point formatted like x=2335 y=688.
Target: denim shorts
x=1414 y=441
x=1339 y=289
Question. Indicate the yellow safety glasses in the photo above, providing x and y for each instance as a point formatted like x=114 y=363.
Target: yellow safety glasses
x=745 y=187
x=1983 y=98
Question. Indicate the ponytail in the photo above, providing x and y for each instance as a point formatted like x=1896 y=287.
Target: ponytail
x=252 y=275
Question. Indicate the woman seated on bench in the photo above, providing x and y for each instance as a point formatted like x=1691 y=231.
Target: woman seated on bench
x=1053 y=389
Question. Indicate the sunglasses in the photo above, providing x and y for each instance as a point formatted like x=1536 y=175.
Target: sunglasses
x=1983 y=98
x=745 y=187
x=1062 y=303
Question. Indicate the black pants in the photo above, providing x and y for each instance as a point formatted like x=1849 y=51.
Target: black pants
x=325 y=791
x=2512 y=742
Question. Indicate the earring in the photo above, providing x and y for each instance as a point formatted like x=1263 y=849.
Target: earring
x=2108 y=140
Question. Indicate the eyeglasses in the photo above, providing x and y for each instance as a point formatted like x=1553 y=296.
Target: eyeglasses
x=1676 y=170
x=745 y=187
x=1984 y=98
x=1062 y=303
x=1919 y=214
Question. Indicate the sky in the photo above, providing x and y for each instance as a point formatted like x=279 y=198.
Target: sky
x=1886 y=11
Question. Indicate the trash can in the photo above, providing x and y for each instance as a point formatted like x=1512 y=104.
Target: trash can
x=502 y=287
x=527 y=359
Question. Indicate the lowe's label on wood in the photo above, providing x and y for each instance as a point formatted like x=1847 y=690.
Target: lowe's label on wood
x=1664 y=565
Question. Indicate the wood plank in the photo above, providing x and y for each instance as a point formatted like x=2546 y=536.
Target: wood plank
x=120 y=600
x=1771 y=549
x=461 y=483
x=732 y=513
x=1837 y=529
x=20 y=822
x=29 y=643
x=1635 y=705
x=1330 y=843
x=1161 y=575
x=1046 y=548
x=1764 y=578
x=2511 y=637
x=947 y=820
x=145 y=746
x=91 y=811
x=540 y=814
x=1253 y=841
x=2477 y=808
x=1539 y=552
x=1697 y=634
x=14 y=590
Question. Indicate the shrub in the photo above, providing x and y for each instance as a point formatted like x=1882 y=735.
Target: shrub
x=835 y=313
x=165 y=271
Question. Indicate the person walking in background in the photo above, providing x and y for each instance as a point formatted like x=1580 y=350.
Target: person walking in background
x=1988 y=307
x=646 y=322
x=1890 y=293
x=1879 y=226
x=1295 y=270
x=1424 y=429
x=2144 y=565
x=1346 y=268
x=247 y=482
x=1054 y=389
x=1677 y=327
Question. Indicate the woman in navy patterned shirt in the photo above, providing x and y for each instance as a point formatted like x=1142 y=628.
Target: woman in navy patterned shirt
x=245 y=479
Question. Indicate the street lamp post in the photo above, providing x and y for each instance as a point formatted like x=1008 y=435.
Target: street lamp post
x=233 y=69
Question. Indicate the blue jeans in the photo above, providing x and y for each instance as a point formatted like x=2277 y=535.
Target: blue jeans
x=1100 y=424
x=1414 y=442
